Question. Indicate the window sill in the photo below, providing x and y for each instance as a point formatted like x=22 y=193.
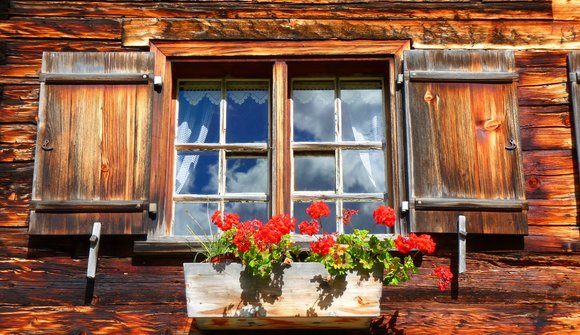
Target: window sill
x=188 y=245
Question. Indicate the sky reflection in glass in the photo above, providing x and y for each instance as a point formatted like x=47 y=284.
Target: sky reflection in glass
x=248 y=210
x=202 y=168
x=363 y=171
x=247 y=112
x=314 y=173
x=313 y=111
x=194 y=218
x=246 y=175
x=362 y=110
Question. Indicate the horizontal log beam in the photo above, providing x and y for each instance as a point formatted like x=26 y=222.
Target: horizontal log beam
x=368 y=10
x=425 y=34
x=96 y=29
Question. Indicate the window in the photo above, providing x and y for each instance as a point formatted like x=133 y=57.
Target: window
x=222 y=151
x=433 y=133
x=334 y=146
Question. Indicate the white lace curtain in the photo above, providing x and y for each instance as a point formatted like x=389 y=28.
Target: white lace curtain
x=198 y=108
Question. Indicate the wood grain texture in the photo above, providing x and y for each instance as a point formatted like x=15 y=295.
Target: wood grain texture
x=457 y=143
x=425 y=34
x=97 y=29
x=100 y=153
x=457 y=10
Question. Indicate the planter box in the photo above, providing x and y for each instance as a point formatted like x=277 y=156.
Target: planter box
x=224 y=296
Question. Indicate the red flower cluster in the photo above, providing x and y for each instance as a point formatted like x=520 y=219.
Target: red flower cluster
x=385 y=216
x=263 y=235
x=318 y=209
x=422 y=242
x=323 y=244
x=347 y=215
x=445 y=276
x=227 y=224
x=309 y=228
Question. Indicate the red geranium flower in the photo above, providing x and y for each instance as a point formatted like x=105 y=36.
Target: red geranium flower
x=318 y=209
x=445 y=276
x=323 y=244
x=404 y=244
x=347 y=215
x=384 y=215
x=424 y=243
x=309 y=228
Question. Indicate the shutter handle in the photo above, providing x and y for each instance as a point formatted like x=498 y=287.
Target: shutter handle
x=511 y=145
x=45 y=146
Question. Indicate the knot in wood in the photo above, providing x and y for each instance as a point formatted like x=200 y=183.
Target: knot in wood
x=104 y=167
x=491 y=125
x=428 y=97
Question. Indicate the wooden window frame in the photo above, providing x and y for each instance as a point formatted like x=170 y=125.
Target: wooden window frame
x=169 y=54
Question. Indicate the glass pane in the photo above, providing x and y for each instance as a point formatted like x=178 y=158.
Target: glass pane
x=247 y=112
x=327 y=224
x=363 y=171
x=248 y=210
x=362 y=110
x=364 y=218
x=198 y=119
x=313 y=110
x=196 y=172
x=245 y=175
x=314 y=173
x=194 y=218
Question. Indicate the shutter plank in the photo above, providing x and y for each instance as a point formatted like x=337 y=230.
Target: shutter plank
x=98 y=132
x=459 y=126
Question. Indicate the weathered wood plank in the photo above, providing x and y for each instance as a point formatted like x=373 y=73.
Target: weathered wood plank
x=97 y=29
x=425 y=34
x=16 y=152
x=566 y=10
x=531 y=76
x=13 y=243
x=552 y=239
x=548 y=162
x=20 y=70
x=541 y=58
x=545 y=116
x=550 y=94
x=17 y=133
x=551 y=187
x=553 y=212
x=549 y=138
x=29 y=51
x=457 y=10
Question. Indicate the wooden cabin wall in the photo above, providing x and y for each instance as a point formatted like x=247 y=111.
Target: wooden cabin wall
x=533 y=291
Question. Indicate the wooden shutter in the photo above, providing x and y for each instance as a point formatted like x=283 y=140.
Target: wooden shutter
x=92 y=156
x=463 y=143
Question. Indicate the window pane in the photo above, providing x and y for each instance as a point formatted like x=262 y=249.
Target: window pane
x=327 y=224
x=363 y=171
x=314 y=173
x=362 y=110
x=247 y=112
x=313 y=111
x=196 y=173
x=198 y=118
x=364 y=218
x=248 y=210
x=194 y=218
x=245 y=175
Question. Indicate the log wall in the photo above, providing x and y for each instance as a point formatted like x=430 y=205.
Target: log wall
x=532 y=291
